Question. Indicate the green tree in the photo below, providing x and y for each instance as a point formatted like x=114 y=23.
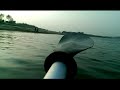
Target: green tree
x=1 y=17
x=9 y=18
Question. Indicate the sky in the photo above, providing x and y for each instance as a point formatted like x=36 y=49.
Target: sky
x=105 y=23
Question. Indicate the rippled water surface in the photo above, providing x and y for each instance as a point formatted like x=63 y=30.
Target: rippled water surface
x=22 y=55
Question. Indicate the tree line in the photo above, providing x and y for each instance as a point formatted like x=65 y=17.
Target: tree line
x=7 y=18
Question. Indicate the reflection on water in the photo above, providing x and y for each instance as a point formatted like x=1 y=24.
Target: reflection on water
x=6 y=40
x=22 y=55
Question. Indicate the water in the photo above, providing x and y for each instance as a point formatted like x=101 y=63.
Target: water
x=22 y=56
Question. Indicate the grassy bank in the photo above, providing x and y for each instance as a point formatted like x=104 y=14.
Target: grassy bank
x=24 y=28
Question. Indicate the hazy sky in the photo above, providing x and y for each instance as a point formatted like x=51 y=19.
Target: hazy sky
x=106 y=23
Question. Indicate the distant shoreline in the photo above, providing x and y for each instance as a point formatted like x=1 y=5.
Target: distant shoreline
x=22 y=27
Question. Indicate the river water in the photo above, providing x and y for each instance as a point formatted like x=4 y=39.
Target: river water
x=22 y=56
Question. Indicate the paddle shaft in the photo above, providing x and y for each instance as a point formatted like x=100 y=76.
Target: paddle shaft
x=60 y=64
x=58 y=70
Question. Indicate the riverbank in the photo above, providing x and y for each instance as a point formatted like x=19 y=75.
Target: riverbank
x=22 y=27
